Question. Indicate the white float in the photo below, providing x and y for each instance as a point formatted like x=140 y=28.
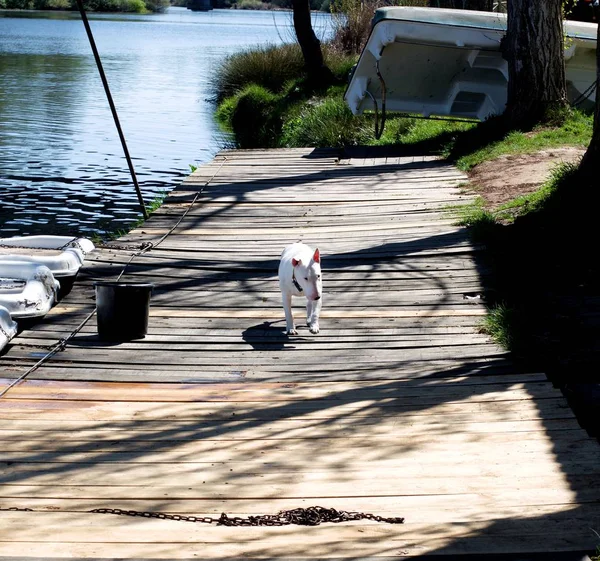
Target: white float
x=63 y=255
x=27 y=290
x=8 y=328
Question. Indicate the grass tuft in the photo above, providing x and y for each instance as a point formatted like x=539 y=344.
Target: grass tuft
x=256 y=118
x=326 y=123
x=268 y=66
x=499 y=324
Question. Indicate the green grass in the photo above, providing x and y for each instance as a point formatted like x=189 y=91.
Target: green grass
x=270 y=67
x=575 y=131
x=256 y=117
x=499 y=324
x=326 y=122
x=475 y=217
x=538 y=200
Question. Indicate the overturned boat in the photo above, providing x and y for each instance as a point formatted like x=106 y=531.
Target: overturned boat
x=432 y=61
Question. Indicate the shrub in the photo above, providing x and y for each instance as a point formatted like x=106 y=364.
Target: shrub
x=58 y=5
x=157 y=5
x=339 y=62
x=269 y=66
x=327 y=123
x=251 y=5
x=226 y=109
x=352 y=21
x=133 y=6
x=256 y=119
x=19 y=4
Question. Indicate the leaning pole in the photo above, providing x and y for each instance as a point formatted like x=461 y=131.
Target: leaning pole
x=113 y=109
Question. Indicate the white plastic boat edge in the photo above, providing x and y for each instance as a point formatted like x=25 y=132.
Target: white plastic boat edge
x=8 y=327
x=65 y=264
x=38 y=295
x=49 y=242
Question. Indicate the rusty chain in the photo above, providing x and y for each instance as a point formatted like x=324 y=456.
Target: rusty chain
x=310 y=516
x=73 y=242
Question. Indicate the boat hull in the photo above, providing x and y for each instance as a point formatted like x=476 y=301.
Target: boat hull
x=448 y=63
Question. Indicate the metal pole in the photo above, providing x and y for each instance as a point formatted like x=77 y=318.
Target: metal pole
x=113 y=109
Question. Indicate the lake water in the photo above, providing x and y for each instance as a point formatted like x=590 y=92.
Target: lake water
x=62 y=168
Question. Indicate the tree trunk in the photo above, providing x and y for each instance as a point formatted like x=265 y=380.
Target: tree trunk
x=310 y=45
x=590 y=165
x=534 y=49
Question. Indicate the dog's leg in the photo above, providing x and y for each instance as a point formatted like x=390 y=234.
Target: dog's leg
x=313 y=309
x=286 y=299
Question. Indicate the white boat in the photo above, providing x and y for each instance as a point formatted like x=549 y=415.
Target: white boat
x=8 y=327
x=63 y=255
x=443 y=62
x=27 y=290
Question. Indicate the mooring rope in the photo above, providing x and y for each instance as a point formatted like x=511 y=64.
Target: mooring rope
x=62 y=343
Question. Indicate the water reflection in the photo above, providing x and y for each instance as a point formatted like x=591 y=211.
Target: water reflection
x=61 y=164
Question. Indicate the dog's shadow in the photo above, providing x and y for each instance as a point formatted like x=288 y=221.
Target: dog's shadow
x=270 y=336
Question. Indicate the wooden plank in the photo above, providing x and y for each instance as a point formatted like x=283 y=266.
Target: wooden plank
x=273 y=392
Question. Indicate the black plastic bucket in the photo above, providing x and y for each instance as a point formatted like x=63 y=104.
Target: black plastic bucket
x=122 y=309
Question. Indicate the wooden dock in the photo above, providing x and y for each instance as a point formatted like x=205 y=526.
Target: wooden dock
x=400 y=407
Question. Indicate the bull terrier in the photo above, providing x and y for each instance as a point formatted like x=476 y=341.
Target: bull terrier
x=300 y=275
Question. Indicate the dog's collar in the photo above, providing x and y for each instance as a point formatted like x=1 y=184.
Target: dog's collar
x=295 y=282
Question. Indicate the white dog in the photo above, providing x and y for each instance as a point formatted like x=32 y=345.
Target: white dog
x=300 y=275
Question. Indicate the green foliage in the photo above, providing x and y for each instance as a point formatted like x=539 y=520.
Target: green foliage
x=352 y=21
x=269 y=66
x=339 y=62
x=500 y=324
x=58 y=5
x=423 y=135
x=548 y=195
x=157 y=5
x=328 y=122
x=19 y=4
x=251 y=5
x=157 y=202
x=481 y=222
x=256 y=118
x=132 y=6
x=575 y=131
x=225 y=111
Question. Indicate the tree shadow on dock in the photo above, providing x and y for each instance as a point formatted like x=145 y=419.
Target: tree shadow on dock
x=252 y=452
x=476 y=454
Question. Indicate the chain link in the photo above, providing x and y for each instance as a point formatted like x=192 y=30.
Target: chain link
x=141 y=248
x=74 y=242
x=311 y=516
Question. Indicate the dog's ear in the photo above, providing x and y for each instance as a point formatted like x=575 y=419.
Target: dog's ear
x=296 y=262
x=317 y=256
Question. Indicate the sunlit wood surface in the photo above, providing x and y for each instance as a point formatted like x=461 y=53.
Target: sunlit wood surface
x=399 y=407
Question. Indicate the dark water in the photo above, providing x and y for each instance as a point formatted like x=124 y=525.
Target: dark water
x=62 y=168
